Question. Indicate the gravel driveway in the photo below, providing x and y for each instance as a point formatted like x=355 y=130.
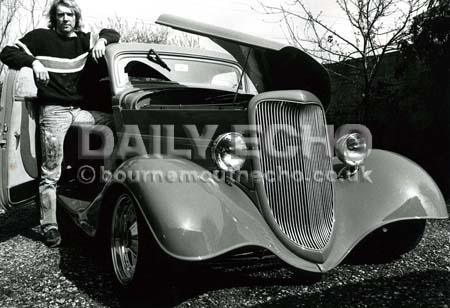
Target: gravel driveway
x=31 y=275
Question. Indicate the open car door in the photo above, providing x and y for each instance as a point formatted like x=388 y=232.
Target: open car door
x=18 y=139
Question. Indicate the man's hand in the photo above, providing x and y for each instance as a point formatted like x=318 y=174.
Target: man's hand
x=40 y=72
x=99 y=49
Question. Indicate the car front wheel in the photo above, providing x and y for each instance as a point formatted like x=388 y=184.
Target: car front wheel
x=125 y=239
x=136 y=258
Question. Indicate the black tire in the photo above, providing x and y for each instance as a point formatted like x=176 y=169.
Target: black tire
x=389 y=242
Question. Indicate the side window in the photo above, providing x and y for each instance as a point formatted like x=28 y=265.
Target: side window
x=228 y=79
x=25 y=86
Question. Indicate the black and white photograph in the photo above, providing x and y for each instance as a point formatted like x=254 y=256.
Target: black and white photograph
x=233 y=153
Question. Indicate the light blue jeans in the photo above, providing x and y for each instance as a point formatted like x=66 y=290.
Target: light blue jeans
x=54 y=122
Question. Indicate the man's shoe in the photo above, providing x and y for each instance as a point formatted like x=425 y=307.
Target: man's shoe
x=52 y=238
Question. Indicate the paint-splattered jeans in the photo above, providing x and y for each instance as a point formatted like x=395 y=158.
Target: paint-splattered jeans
x=54 y=122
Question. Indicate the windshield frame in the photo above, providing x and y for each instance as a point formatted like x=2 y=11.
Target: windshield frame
x=120 y=86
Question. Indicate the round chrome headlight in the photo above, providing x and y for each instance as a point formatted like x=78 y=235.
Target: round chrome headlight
x=229 y=151
x=352 y=149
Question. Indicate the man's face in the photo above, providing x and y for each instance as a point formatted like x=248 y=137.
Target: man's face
x=65 y=20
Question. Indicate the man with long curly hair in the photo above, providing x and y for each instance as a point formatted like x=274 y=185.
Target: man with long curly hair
x=57 y=56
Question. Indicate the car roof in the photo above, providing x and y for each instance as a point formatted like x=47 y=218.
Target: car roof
x=114 y=49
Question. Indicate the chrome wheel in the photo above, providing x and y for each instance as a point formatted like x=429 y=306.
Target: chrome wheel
x=124 y=239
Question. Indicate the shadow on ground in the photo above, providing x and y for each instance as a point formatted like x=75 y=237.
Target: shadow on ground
x=89 y=272
x=86 y=268
x=428 y=288
x=22 y=220
x=82 y=263
x=420 y=289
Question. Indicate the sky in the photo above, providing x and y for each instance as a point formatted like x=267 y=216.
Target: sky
x=241 y=15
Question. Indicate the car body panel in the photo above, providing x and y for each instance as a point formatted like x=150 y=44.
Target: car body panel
x=194 y=220
x=19 y=150
x=204 y=218
x=395 y=188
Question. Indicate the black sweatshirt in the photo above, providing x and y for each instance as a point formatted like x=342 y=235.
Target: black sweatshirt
x=63 y=57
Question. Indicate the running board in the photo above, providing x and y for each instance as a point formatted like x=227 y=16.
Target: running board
x=73 y=205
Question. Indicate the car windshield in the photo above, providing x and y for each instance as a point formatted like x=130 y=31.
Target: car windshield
x=209 y=73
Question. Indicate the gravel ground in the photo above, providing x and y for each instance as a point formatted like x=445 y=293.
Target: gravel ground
x=32 y=275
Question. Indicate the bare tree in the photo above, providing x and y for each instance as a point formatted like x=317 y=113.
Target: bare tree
x=36 y=10
x=137 y=31
x=8 y=11
x=17 y=17
x=143 y=32
x=377 y=28
x=185 y=39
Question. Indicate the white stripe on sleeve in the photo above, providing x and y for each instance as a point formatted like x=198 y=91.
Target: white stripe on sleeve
x=23 y=47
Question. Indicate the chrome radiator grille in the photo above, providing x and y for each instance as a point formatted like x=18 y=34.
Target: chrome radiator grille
x=301 y=197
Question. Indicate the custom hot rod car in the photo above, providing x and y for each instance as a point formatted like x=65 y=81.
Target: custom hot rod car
x=220 y=155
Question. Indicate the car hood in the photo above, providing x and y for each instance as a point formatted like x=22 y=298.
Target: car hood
x=270 y=65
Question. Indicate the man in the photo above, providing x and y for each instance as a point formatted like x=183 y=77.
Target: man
x=57 y=56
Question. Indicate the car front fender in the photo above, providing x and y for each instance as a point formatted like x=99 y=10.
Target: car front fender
x=388 y=188
x=199 y=218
